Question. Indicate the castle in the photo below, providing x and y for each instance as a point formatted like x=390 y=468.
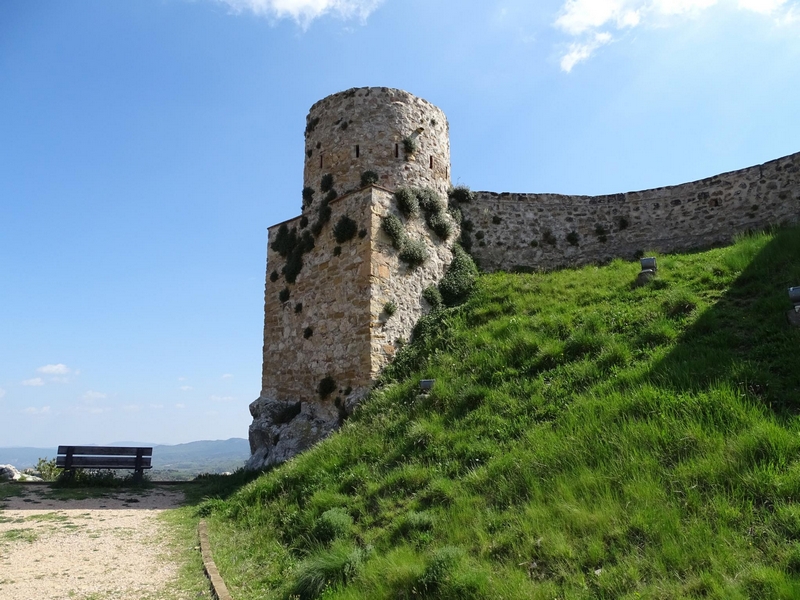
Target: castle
x=343 y=291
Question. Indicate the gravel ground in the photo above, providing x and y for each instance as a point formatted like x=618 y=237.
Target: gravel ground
x=106 y=548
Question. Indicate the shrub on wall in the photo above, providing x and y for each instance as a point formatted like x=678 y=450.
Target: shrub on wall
x=441 y=226
x=459 y=280
x=461 y=194
x=549 y=238
x=407 y=202
x=573 y=238
x=432 y=296
x=273 y=277
x=326 y=386
x=409 y=146
x=369 y=178
x=308 y=197
x=345 y=229
x=413 y=252
x=326 y=184
x=298 y=308
x=303 y=222
x=308 y=332
x=283 y=295
x=394 y=229
x=390 y=308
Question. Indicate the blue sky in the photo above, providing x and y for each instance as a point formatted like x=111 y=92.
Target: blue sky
x=146 y=146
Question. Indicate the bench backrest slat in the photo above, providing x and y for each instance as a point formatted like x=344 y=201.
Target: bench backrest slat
x=111 y=462
x=104 y=451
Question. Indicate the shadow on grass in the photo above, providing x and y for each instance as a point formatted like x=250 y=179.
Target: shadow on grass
x=745 y=340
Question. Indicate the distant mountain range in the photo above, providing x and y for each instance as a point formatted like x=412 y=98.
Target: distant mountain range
x=180 y=461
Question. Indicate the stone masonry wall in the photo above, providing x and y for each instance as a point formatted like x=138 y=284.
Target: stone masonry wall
x=321 y=330
x=548 y=231
x=393 y=281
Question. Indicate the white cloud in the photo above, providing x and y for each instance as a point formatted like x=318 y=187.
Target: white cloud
x=584 y=19
x=186 y=388
x=179 y=405
x=31 y=410
x=157 y=406
x=305 y=11
x=227 y=376
x=2 y=393
x=221 y=398
x=92 y=395
x=579 y=52
x=35 y=382
x=131 y=408
x=765 y=7
x=59 y=369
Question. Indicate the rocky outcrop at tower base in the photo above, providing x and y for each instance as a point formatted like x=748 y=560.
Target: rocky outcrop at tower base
x=282 y=429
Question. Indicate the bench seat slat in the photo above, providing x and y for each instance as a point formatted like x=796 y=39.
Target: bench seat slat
x=112 y=462
x=104 y=451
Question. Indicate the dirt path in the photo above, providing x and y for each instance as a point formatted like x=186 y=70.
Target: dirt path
x=54 y=546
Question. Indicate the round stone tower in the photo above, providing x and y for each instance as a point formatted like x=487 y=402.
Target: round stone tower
x=402 y=139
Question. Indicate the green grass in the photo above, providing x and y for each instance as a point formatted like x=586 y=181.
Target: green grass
x=585 y=438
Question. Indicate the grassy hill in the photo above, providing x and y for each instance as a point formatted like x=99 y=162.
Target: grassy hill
x=585 y=438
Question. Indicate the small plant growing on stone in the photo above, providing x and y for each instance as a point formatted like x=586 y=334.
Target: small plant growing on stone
x=573 y=238
x=467 y=225
x=283 y=295
x=622 y=223
x=311 y=124
x=273 y=277
x=326 y=184
x=369 y=178
x=344 y=125
x=331 y=195
x=534 y=243
x=308 y=332
x=601 y=233
x=394 y=229
x=480 y=235
x=413 y=253
x=345 y=229
x=461 y=194
x=362 y=233
x=309 y=153
x=308 y=197
x=298 y=308
x=337 y=250
x=459 y=280
x=496 y=220
x=389 y=308
x=441 y=226
x=429 y=201
x=326 y=386
x=303 y=222
x=432 y=296
x=549 y=238
x=407 y=202
x=409 y=146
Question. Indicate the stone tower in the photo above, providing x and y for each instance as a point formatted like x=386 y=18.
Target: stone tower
x=333 y=271
x=405 y=140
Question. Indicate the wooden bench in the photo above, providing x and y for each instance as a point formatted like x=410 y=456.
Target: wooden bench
x=104 y=457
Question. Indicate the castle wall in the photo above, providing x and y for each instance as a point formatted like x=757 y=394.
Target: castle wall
x=334 y=292
x=362 y=129
x=548 y=231
x=393 y=281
